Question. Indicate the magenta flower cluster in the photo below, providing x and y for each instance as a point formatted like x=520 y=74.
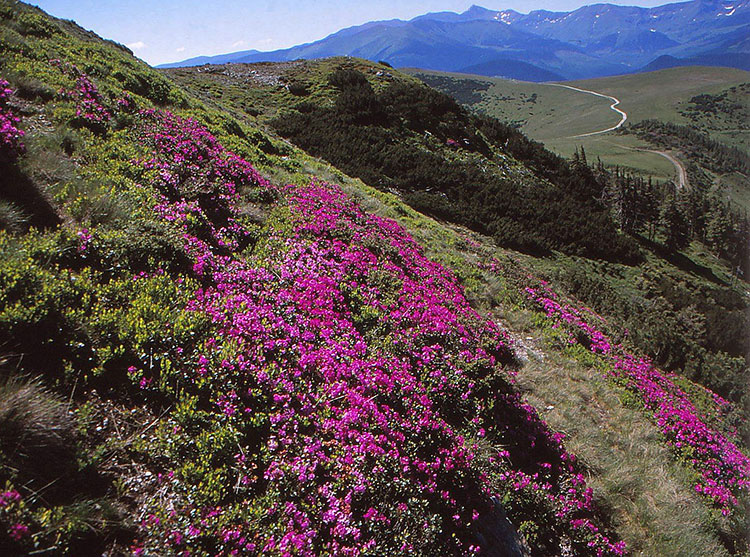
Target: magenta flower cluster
x=8 y=497
x=126 y=102
x=90 y=106
x=363 y=356
x=723 y=468
x=12 y=518
x=11 y=144
x=84 y=239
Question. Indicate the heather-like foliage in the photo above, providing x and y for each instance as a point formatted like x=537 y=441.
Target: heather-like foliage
x=90 y=109
x=353 y=375
x=333 y=389
x=11 y=144
x=13 y=519
x=256 y=368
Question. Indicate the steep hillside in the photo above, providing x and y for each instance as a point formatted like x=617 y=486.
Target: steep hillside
x=654 y=300
x=715 y=189
x=252 y=367
x=399 y=135
x=208 y=349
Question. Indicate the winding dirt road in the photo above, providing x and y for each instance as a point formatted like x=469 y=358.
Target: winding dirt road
x=681 y=174
x=613 y=106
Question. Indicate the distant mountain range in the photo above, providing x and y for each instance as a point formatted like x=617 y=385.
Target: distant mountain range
x=592 y=41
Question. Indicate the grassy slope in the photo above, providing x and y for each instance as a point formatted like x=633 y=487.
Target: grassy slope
x=659 y=94
x=557 y=113
x=639 y=480
x=236 y=85
x=736 y=185
x=650 y=525
x=630 y=470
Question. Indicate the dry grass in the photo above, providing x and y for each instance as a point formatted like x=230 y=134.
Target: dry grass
x=12 y=218
x=631 y=471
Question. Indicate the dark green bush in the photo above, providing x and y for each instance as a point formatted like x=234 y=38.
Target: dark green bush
x=298 y=88
x=372 y=135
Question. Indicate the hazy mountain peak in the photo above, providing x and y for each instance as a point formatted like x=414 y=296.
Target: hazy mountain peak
x=479 y=13
x=476 y=10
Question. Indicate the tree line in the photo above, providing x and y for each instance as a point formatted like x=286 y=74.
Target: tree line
x=660 y=210
x=696 y=145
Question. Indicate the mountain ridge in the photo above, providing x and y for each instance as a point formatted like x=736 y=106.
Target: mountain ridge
x=591 y=41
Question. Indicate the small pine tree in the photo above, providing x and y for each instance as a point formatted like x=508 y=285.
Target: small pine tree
x=650 y=206
x=675 y=224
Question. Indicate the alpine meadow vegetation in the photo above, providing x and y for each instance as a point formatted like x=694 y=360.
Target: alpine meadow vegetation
x=209 y=349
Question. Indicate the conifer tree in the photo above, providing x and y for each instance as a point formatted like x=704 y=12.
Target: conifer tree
x=674 y=223
x=718 y=228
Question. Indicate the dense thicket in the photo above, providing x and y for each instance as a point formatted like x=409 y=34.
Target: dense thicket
x=443 y=160
x=727 y=107
x=465 y=91
x=698 y=330
x=677 y=216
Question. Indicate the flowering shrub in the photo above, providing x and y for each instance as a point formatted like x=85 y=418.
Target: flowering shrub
x=84 y=239
x=332 y=391
x=724 y=470
x=15 y=534
x=350 y=385
x=10 y=136
x=91 y=111
x=126 y=102
x=323 y=388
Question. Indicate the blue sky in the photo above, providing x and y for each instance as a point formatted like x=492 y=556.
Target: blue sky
x=162 y=31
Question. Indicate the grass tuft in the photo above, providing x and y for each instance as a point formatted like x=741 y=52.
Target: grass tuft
x=36 y=432
x=12 y=218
